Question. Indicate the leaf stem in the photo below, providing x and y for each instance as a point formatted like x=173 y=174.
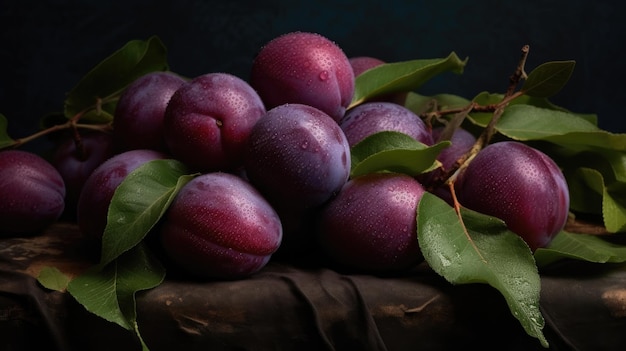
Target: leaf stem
x=510 y=94
x=520 y=72
x=67 y=125
x=457 y=209
x=489 y=131
x=71 y=123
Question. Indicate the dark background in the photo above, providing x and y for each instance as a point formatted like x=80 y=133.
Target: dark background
x=47 y=46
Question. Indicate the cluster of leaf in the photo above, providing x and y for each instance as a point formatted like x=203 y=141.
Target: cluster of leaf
x=459 y=244
x=468 y=247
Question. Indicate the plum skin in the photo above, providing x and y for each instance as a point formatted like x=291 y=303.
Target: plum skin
x=208 y=121
x=460 y=143
x=305 y=68
x=520 y=185
x=361 y=64
x=297 y=156
x=371 y=117
x=371 y=224
x=98 y=190
x=32 y=193
x=139 y=113
x=220 y=226
x=76 y=167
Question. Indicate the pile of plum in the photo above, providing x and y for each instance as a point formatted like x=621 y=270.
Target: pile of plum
x=271 y=160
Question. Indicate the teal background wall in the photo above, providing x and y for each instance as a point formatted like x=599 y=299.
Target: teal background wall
x=48 y=45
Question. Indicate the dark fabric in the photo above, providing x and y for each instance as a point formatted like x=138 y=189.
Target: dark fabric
x=294 y=307
x=586 y=305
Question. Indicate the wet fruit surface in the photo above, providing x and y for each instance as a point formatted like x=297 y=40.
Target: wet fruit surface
x=32 y=193
x=98 y=190
x=305 y=68
x=372 y=117
x=219 y=226
x=371 y=224
x=208 y=121
x=520 y=185
x=75 y=163
x=298 y=156
x=140 y=110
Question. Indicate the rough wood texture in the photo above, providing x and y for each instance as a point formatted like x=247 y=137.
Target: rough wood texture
x=285 y=307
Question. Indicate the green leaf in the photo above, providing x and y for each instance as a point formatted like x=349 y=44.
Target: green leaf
x=108 y=79
x=420 y=103
x=480 y=249
x=138 y=203
x=126 y=266
x=52 y=278
x=547 y=104
x=485 y=98
x=580 y=144
x=548 y=79
x=403 y=76
x=613 y=199
x=5 y=139
x=109 y=293
x=617 y=162
x=526 y=122
x=596 y=178
x=582 y=198
x=391 y=151
x=611 y=163
x=584 y=247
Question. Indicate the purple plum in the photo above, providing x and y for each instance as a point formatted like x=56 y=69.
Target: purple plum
x=297 y=156
x=361 y=64
x=75 y=165
x=98 y=190
x=32 y=193
x=220 y=226
x=460 y=143
x=372 y=117
x=208 y=121
x=520 y=185
x=371 y=224
x=138 y=119
x=305 y=68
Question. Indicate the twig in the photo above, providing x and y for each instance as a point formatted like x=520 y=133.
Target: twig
x=519 y=72
x=71 y=123
x=451 y=174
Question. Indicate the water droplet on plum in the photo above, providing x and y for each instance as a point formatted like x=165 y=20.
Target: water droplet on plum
x=324 y=75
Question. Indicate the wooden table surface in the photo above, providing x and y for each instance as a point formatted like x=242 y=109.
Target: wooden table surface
x=289 y=307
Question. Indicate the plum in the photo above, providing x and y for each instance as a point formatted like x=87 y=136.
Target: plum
x=98 y=190
x=75 y=163
x=460 y=143
x=371 y=224
x=297 y=156
x=372 y=117
x=32 y=193
x=138 y=119
x=220 y=226
x=208 y=121
x=520 y=185
x=305 y=68
x=361 y=64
